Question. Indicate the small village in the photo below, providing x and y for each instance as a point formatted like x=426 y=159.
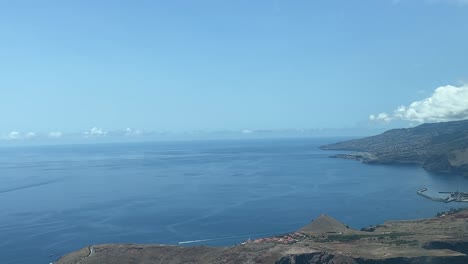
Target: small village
x=283 y=239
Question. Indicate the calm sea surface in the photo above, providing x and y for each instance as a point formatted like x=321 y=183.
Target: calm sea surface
x=57 y=199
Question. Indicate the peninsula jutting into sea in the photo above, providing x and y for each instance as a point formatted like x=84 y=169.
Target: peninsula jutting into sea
x=438 y=147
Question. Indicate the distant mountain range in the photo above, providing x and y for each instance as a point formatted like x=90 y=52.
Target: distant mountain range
x=438 y=147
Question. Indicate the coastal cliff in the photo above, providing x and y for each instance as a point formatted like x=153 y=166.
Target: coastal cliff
x=325 y=240
x=437 y=147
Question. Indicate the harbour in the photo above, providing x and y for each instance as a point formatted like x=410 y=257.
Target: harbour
x=456 y=196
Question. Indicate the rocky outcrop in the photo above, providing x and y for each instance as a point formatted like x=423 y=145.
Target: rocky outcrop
x=316 y=258
x=324 y=258
x=460 y=246
x=364 y=157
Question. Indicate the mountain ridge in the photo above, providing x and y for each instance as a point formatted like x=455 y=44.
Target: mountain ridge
x=437 y=147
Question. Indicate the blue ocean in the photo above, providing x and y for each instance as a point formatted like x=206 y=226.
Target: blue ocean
x=57 y=199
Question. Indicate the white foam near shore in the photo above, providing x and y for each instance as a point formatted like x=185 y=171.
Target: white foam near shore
x=195 y=241
x=223 y=238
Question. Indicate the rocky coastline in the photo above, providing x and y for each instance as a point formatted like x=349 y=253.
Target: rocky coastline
x=437 y=147
x=442 y=239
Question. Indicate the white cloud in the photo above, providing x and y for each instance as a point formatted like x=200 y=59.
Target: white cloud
x=381 y=117
x=13 y=135
x=95 y=132
x=16 y=135
x=132 y=132
x=55 y=134
x=30 y=135
x=447 y=103
x=247 y=131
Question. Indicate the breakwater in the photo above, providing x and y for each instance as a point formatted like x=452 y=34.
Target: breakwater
x=452 y=196
x=437 y=199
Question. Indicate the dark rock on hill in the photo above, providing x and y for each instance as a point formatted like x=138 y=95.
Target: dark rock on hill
x=438 y=147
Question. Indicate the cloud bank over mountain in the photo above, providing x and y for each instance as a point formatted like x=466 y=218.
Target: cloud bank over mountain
x=447 y=103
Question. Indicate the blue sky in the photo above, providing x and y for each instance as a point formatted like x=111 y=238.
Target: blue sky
x=69 y=66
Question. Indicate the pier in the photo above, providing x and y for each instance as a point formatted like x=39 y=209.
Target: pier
x=452 y=196
x=437 y=199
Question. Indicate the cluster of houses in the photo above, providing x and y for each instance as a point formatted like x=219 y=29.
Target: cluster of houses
x=284 y=239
